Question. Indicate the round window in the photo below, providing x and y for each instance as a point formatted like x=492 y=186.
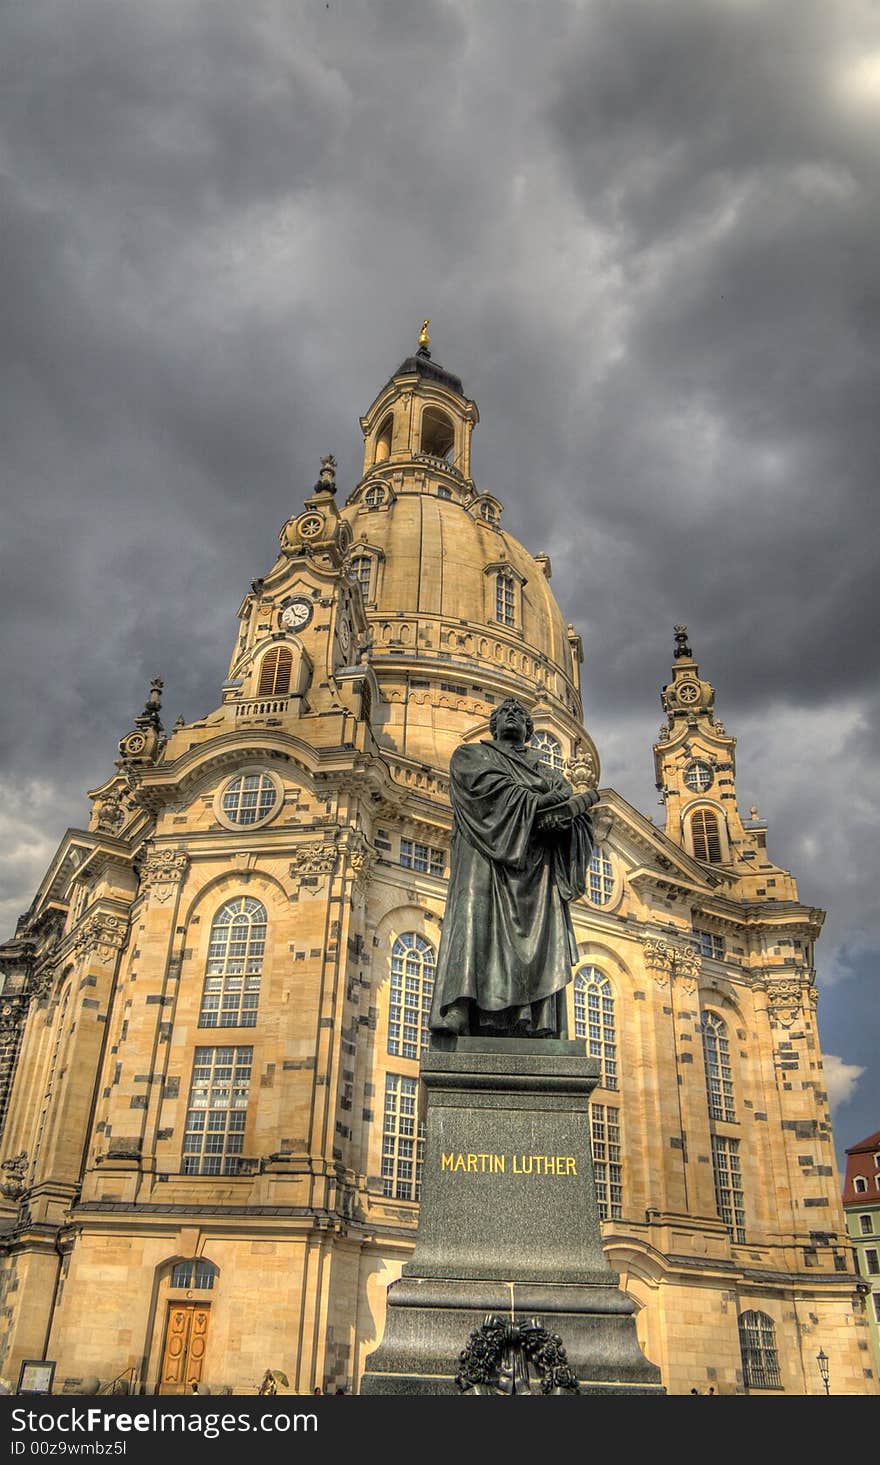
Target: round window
x=698 y=776
x=250 y=799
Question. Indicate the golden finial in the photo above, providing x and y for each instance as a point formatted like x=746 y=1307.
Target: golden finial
x=424 y=338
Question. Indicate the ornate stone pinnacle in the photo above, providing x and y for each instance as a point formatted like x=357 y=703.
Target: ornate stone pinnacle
x=327 y=478
x=152 y=707
x=681 y=646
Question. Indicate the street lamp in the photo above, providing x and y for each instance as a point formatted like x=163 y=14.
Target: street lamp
x=822 y=1361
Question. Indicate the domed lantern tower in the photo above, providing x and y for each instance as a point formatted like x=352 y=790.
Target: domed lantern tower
x=462 y=615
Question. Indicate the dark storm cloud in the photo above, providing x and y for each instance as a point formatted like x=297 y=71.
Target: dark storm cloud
x=646 y=237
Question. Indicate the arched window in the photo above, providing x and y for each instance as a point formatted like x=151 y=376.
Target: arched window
x=716 y=1056
x=374 y=496
x=488 y=512
x=594 y=1020
x=235 y=961
x=361 y=570
x=706 y=836
x=549 y=749
x=504 y=600
x=275 y=669
x=438 y=434
x=760 y=1356
x=601 y=884
x=412 y=987
x=383 y=439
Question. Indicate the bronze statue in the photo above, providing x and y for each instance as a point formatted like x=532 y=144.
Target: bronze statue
x=521 y=847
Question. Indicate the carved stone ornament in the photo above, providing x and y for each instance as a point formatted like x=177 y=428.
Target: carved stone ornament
x=582 y=772
x=667 y=960
x=12 y=1015
x=41 y=983
x=314 y=859
x=102 y=934
x=506 y=1356
x=161 y=871
x=786 y=998
x=12 y=1185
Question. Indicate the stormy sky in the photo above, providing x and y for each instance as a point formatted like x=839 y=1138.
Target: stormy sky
x=647 y=239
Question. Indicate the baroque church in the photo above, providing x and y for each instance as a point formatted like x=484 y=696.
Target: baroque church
x=213 y=1012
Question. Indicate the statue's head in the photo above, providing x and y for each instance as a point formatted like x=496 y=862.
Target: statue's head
x=501 y=723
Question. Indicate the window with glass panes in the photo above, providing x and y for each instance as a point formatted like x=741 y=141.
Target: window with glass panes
x=403 y=1139
x=760 y=1358
x=215 y=1120
x=594 y=1020
x=710 y=944
x=728 y=1185
x=361 y=569
x=607 y=1165
x=423 y=857
x=601 y=882
x=716 y=1057
x=698 y=776
x=866 y=1225
x=412 y=986
x=504 y=600
x=231 y=993
x=549 y=749
x=374 y=497
x=196 y=1275
x=249 y=798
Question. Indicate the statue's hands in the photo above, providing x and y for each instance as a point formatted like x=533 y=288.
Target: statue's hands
x=583 y=802
x=562 y=815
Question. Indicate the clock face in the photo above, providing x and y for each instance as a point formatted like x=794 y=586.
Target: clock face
x=296 y=613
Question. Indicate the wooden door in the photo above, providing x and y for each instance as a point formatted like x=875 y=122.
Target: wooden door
x=186 y=1337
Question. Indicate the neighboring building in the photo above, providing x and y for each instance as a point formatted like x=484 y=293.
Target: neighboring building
x=861 y=1204
x=216 y=1002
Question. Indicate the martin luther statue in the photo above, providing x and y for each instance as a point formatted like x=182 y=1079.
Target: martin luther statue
x=521 y=846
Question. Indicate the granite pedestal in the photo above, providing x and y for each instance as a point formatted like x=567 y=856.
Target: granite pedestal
x=508 y=1223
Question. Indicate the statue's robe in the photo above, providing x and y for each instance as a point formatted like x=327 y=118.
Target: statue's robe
x=507 y=944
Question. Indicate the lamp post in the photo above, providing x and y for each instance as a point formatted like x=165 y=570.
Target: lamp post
x=822 y=1361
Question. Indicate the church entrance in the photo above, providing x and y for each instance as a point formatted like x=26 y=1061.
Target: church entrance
x=186 y=1338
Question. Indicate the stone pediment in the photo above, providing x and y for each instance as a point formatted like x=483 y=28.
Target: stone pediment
x=651 y=858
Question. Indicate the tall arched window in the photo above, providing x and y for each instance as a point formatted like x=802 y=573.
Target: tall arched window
x=601 y=885
x=706 y=836
x=594 y=1020
x=383 y=439
x=438 y=434
x=505 y=603
x=760 y=1356
x=231 y=994
x=716 y=1056
x=275 y=669
x=549 y=749
x=361 y=570
x=412 y=987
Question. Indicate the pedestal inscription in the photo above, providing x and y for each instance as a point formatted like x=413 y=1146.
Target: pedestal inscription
x=509 y=1224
